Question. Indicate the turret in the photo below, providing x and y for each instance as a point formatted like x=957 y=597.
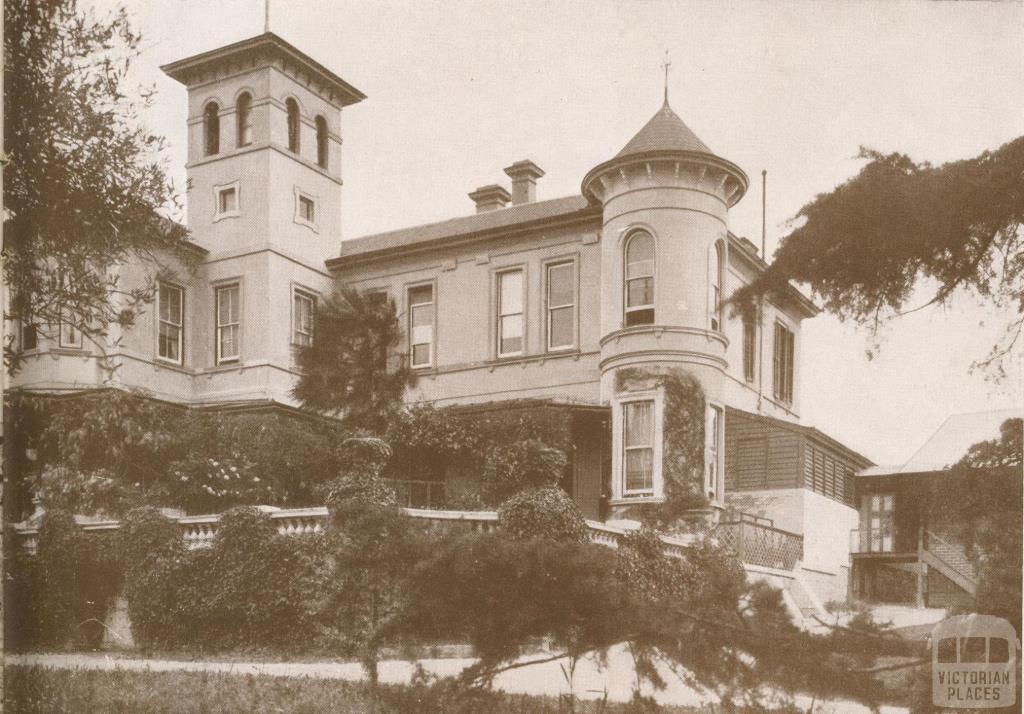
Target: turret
x=665 y=198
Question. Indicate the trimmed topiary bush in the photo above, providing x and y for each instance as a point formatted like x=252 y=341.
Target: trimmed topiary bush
x=547 y=512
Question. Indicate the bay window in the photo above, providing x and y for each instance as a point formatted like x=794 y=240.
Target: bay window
x=638 y=448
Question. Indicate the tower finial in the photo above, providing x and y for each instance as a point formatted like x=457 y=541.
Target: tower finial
x=665 y=64
x=266 y=15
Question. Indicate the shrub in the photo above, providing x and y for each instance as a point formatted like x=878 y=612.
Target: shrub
x=509 y=468
x=252 y=588
x=546 y=512
x=156 y=575
x=503 y=595
x=64 y=592
x=88 y=493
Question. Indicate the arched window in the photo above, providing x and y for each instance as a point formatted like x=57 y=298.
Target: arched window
x=640 y=279
x=294 y=124
x=211 y=128
x=243 y=110
x=715 y=308
x=321 y=142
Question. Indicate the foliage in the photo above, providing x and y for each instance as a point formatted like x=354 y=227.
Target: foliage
x=682 y=441
x=432 y=444
x=523 y=464
x=353 y=367
x=373 y=548
x=95 y=493
x=61 y=595
x=984 y=512
x=86 y=179
x=251 y=589
x=546 y=512
x=124 y=433
x=866 y=245
x=187 y=458
x=501 y=595
x=39 y=690
x=692 y=614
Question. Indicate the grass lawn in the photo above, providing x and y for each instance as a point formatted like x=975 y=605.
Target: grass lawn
x=38 y=689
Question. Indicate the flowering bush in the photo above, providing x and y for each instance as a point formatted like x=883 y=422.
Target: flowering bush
x=212 y=485
x=547 y=512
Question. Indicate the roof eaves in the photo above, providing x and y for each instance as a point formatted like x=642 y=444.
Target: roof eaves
x=459 y=238
x=348 y=93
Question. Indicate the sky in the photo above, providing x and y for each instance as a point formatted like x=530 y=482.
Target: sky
x=457 y=90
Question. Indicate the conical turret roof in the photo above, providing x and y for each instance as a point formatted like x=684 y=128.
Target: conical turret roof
x=664 y=132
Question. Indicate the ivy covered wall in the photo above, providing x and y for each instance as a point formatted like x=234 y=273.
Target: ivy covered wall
x=682 y=441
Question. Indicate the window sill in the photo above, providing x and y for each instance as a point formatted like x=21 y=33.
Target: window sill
x=635 y=500
x=225 y=216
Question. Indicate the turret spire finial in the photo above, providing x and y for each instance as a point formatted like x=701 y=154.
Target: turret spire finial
x=665 y=64
x=266 y=15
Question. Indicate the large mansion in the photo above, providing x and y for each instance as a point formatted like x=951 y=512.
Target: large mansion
x=521 y=301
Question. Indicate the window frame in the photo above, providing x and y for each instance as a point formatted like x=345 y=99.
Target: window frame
x=619 y=491
x=218 y=289
x=748 y=343
x=293 y=112
x=243 y=120
x=180 y=325
x=714 y=452
x=211 y=128
x=499 y=274
x=626 y=280
x=301 y=196
x=409 y=306
x=301 y=293
x=323 y=142
x=70 y=344
x=717 y=286
x=784 y=364
x=25 y=327
x=220 y=189
x=550 y=265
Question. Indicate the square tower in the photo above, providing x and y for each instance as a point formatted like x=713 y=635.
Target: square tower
x=264 y=149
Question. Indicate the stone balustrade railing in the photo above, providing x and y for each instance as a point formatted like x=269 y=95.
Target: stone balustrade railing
x=199 y=531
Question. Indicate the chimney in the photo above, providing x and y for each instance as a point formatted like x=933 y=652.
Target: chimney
x=490 y=198
x=524 y=175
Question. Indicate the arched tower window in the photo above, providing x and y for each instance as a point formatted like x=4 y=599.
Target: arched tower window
x=294 y=124
x=243 y=111
x=715 y=308
x=211 y=128
x=321 y=142
x=639 y=279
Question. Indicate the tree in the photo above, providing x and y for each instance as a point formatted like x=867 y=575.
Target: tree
x=980 y=501
x=86 y=184
x=692 y=615
x=352 y=368
x=865 y=246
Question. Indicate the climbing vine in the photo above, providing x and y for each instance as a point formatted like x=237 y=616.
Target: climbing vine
x=682 y=440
